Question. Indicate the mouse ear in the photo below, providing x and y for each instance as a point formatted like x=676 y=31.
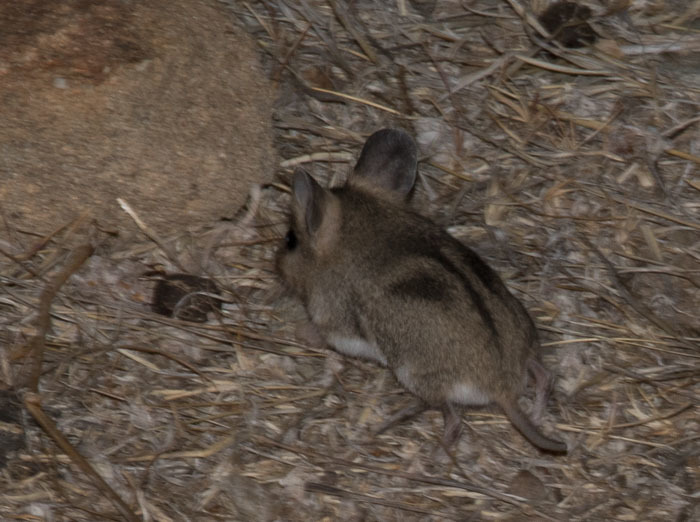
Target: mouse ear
x=387 y=163
x=316 y=213
x=307 y=204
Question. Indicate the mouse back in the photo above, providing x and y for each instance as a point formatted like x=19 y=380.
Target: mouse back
x=381 y=281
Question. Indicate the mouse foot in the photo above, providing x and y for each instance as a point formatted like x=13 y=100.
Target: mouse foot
x=402 y=415
x=453 y=425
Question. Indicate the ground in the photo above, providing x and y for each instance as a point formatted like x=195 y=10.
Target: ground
x=573 y=172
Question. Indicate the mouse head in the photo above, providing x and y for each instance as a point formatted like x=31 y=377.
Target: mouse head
x=385 y=171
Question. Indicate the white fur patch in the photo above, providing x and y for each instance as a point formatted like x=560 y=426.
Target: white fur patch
x=467 y=394
x=405 y=376
x=357 y=347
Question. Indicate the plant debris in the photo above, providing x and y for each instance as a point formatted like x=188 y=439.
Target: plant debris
x=573 y=172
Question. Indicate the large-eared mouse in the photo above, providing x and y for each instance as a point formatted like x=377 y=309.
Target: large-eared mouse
x=381 y=281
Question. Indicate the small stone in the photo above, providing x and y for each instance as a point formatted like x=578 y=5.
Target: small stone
x=185 y=297
x=566 y=22
x=60 y=83
x=526 y=485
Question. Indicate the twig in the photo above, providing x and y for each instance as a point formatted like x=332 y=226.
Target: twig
x=37 y=343
x=351 y=27
x=359 y=100
x=20 y=262
x=285 y=60
x=32 y=400
x=150 y=233
x=167 y=356
x=330 y=157
x=528 y=17
x=561 y=68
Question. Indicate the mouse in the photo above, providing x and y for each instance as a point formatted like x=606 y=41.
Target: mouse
x=382 y=282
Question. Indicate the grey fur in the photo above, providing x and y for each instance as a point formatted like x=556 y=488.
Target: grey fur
x=383 y=282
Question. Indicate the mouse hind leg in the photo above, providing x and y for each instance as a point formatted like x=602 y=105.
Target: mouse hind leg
x=451 y=415
x=452 y=418
x=400 y=416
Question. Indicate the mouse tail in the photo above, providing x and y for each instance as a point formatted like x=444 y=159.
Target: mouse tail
x=523 y=423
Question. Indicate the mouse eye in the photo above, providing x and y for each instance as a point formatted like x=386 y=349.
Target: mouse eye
x=291 y=240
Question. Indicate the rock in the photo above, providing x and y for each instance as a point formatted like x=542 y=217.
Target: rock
x=161 y=103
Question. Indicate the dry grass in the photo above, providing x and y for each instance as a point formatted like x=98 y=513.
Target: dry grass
x=574 y=172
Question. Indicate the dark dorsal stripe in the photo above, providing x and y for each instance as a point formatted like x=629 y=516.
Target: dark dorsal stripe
x=421 y=286
x=473 y=294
